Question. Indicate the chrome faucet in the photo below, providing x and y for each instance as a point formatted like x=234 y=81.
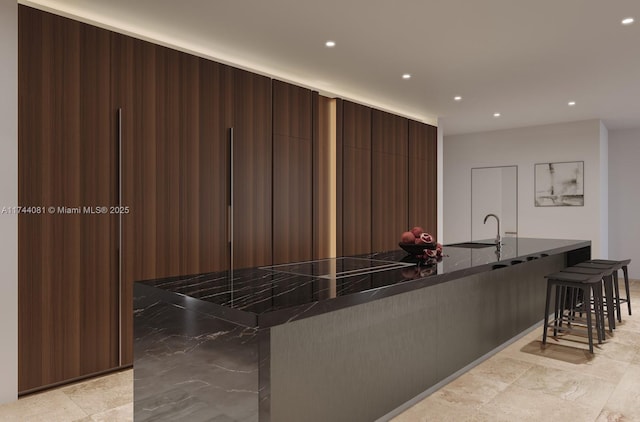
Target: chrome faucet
x=498 y=242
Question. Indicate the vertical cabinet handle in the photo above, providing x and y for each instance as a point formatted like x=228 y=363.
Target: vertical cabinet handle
x=120 y=237
x=231 y=213
x=230 y=219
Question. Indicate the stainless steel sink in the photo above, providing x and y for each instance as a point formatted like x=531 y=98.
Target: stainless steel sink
x=472 y=245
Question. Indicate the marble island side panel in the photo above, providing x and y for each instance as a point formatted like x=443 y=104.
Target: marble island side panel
x=192 y=366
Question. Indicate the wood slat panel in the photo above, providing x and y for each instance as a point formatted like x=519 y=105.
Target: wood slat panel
x=68 y=319
x=177 y=110
x=390 y=188
x=216 y=117
x=292 y=114
x=423 y=177
x=356 y=177
x=292 y=174
x=253 y=160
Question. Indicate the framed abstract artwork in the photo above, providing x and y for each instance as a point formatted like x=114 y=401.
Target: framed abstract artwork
x=559 y=184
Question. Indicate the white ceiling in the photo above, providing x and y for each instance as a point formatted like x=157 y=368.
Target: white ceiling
x=523 y=58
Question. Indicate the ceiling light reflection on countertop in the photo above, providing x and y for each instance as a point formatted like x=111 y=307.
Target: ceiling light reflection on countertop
x=627 y=21
x=330 y=44
x=496 y=115
x=571 y=103
x=457 y=98
x=406 y=76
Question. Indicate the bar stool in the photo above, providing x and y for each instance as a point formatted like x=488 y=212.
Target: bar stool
x=625 y=271
x=607 y=281
x=611 y=293
x=591 y=288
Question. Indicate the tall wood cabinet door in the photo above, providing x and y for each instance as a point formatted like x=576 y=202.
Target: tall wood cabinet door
x=68 y=292
x=423 y=177
x=356 y=178
x=206 y=98
x=390 y=187
x=145 y=88
x=292 y=174
x=252 y=170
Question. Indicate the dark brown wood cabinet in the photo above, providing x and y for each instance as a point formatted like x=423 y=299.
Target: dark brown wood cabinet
x=176 y=111
x=107 y=120
x=356 y=179
x=67 y=259
x=292 y=173
x=252 y=170
x=389 y=180
x=423 y=177
x=177 y=115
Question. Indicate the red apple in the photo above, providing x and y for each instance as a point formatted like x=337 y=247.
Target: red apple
x=417 y=231
x=408 y=237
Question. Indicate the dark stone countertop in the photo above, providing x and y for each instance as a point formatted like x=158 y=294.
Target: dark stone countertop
x=268 y=296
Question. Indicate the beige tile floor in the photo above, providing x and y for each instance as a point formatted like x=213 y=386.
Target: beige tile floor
x=524 y=382
x=561 y=381
x=107 y=398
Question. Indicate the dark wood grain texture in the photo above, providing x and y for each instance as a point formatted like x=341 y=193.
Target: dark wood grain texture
x=356 y=179
x=292 y=173
x=253 y=160
x=177 y=111
x=212 y=197
x=68 y=292
x=205 y=118
x=423 y=176
x=390 y=188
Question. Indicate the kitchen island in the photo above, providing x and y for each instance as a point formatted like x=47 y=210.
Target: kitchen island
x=344 y=339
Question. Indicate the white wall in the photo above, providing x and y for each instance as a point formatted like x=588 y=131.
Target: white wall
x=8 y=197
x=440 y=184
x=604 y=191
x=575 y=141
x=624 y=196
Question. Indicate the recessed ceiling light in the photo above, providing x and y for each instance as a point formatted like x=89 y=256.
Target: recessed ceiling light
x=330 y=44
x=627 y=21
x=457 y=98
x=406 y=76
x=496 y=114
x=571 y=103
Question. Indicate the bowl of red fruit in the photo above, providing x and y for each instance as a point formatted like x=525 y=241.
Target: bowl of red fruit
x=416 y=240
x=420 y=244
